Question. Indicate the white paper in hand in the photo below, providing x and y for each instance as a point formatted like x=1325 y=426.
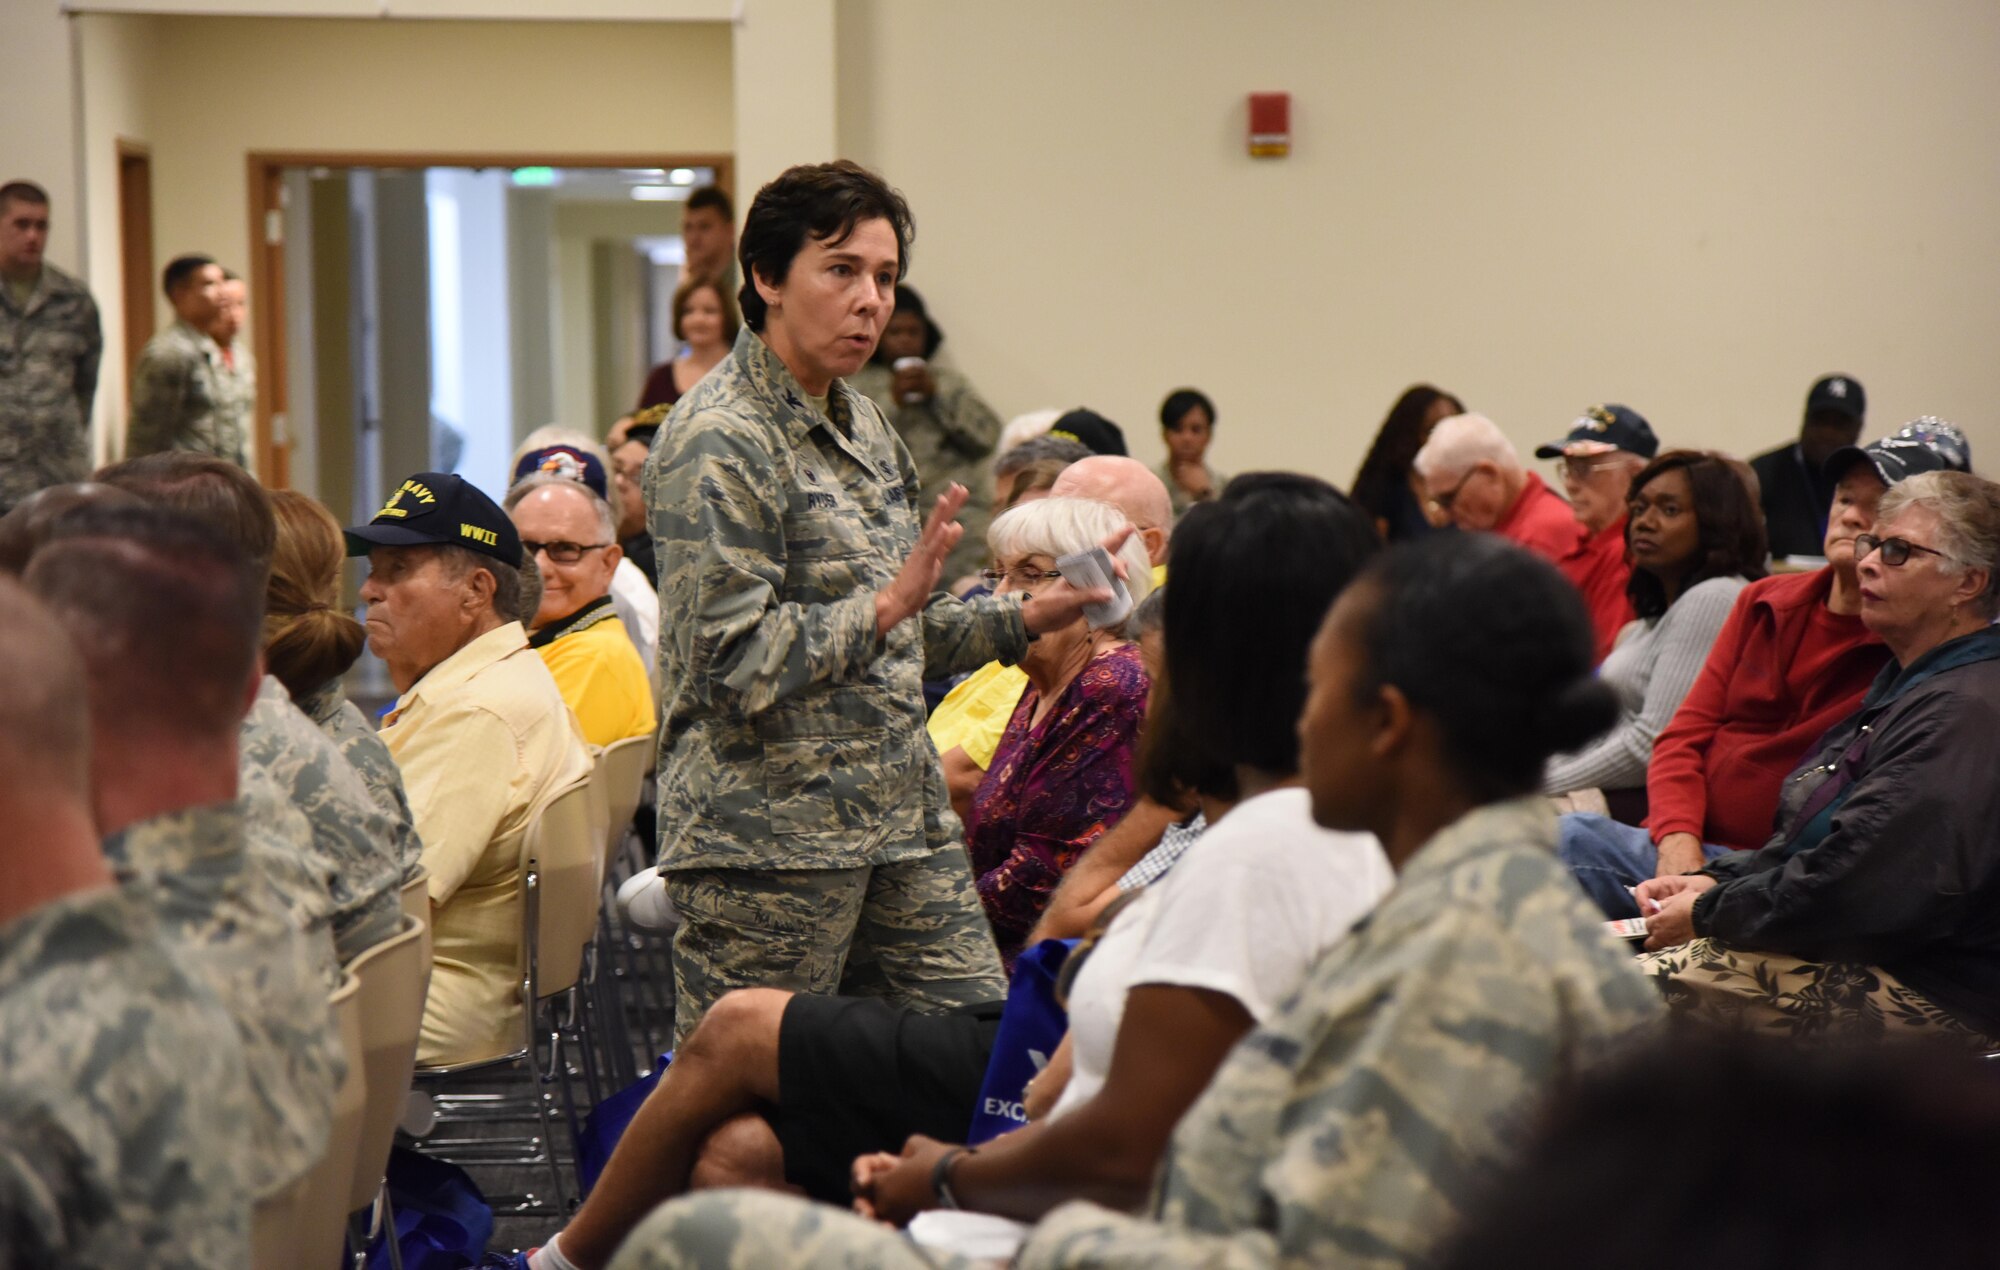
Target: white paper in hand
x=1089 y=571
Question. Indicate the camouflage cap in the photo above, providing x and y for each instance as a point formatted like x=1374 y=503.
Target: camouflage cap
x=435 y=508
x=1928 y=444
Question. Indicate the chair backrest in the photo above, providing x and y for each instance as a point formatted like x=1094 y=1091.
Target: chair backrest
x=621 y=775
x=560 y=858
x=392 y=975
x=323 y=1214
x=416 y=897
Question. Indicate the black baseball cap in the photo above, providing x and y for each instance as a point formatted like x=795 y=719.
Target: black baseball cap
x=438 y=509
x=1841 y=394
x=1602 y=429
x=1091 y=430
x=1928 y=444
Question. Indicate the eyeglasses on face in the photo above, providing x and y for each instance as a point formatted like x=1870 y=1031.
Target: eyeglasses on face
x=562 y=552
x=1024 y=578
x=1580 y=467
x=1442 y=502
x=1895 y=551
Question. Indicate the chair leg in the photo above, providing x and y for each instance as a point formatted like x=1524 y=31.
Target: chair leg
x=537 y=1082
x=388 y=1208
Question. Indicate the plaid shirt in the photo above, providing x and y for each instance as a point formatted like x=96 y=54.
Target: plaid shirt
x=1173 y=845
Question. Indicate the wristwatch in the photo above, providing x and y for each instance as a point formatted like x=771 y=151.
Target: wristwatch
x=941 y=1176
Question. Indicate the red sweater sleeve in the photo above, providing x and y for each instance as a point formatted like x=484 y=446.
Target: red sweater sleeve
x=1677 y=776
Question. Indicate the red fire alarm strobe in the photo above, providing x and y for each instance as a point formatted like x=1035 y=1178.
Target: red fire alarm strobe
x=1270 y=125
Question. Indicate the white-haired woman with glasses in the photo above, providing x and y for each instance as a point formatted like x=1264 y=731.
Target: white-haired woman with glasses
x=1062 y=774
x=1874 y=911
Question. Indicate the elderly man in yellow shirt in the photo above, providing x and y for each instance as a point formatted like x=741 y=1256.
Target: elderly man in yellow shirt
x=572 y=535
x=480 y=731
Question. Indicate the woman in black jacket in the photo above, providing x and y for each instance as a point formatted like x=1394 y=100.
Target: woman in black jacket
x=1875 y=909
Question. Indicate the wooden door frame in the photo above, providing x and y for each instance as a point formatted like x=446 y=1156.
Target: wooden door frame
x=136 y=292
x=265 y=169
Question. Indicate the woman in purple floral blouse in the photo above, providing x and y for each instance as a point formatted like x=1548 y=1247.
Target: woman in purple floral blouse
x=1063 y=772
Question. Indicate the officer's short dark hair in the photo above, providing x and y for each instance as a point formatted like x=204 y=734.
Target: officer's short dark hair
x=824 y=201
x=166 y=611
x=180 y=269
x=23 y=192
x=213 y=491
x=713 y=198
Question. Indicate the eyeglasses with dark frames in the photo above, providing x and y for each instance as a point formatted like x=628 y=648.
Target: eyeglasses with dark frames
x=563 y=552
x=1895 y=551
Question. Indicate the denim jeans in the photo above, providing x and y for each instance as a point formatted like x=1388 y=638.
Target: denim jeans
x=1609 y=858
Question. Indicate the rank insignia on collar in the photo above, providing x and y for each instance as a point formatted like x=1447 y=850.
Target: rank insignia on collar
x=792 y=398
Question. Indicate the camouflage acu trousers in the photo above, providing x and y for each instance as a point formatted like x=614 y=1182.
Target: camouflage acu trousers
x=1801 y=1000
x=763 y=1230
x=911 y=932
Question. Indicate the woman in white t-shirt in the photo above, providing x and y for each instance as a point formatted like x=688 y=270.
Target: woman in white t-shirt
x=1190 y=965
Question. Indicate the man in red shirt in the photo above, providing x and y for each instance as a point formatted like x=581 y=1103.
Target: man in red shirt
x=1605 y=447
x=1792 y=660
x=1473 y=479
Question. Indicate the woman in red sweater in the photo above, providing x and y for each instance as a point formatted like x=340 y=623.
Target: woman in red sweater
x=1792 y=660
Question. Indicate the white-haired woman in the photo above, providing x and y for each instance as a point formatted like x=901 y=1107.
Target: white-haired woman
x=1062 y=774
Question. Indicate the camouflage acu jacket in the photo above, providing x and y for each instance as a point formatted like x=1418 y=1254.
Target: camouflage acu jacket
x=1354 y=1128
x=949 y=437
x=362 y=746
x=185 y=398
x=107 y=1042
x=793 y=737
x=48 y=378
x=220 y=908
x=351 y=849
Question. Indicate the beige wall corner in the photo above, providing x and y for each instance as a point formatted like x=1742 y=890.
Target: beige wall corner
x=40 y=140
x=785 y=89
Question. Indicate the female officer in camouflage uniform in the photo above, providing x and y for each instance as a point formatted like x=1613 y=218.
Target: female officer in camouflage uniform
x=805 y=835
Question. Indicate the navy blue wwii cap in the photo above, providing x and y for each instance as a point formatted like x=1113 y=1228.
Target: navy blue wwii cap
x=438 y=509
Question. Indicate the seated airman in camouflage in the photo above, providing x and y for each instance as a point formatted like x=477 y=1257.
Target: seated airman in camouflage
x=310 y=641
x=807 y=841
x=122 y=1086
x=164 y=612
x=352 y=850
x=1355 y=1126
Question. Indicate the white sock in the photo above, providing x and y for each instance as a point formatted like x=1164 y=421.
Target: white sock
x=549 y=1257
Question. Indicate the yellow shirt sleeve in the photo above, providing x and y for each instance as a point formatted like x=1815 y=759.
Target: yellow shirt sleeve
x=974 y=714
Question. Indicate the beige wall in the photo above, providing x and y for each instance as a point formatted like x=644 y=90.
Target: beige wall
x=1692 y=208
x=116 y=87
x=205 y=92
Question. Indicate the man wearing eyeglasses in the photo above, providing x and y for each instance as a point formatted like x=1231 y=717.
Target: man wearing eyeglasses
x=571 y=535
x=1605 y=447
x=1473 y=479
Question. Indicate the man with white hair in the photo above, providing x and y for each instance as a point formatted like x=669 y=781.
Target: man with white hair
x=1473 y=479
x=570 y=534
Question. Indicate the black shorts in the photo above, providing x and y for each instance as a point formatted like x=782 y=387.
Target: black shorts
x=856 y=1074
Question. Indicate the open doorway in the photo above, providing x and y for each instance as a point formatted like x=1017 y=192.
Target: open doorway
x=418 y=312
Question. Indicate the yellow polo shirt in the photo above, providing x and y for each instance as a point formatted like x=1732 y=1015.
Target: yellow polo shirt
x=481 y=740
x=973 y=715
x=599 y=673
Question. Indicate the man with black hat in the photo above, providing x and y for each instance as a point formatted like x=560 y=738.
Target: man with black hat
x=1795 y=491
x=1605 y=448
x=480 y=732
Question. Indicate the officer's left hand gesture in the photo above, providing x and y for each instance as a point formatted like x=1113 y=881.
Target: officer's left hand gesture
x=906 y=596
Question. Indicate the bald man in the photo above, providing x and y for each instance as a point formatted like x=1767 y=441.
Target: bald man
x=1131 y=487
x=126 y=1069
